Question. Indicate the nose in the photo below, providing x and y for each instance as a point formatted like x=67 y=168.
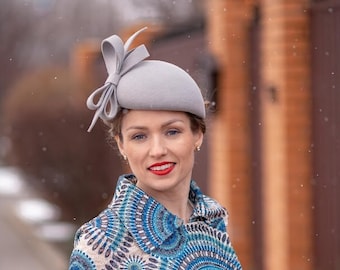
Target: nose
x=157 y=147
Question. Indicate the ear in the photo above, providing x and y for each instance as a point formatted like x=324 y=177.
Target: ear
x=199 y=138
x=120 y=145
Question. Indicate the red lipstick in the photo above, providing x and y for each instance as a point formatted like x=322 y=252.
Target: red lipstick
x=162 y=168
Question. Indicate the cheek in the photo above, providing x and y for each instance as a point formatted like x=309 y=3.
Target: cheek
x=135 y=154
x=186 y=151
x=188 y=161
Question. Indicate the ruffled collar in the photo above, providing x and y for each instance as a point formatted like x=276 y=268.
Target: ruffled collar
x=148 y=221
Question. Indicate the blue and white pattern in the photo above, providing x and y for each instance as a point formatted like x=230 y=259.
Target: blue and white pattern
x=137 y=232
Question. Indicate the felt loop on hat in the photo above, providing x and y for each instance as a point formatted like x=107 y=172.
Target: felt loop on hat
x=118 y=61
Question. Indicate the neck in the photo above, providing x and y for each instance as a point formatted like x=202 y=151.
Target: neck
x=176 y=201
x=180 y=207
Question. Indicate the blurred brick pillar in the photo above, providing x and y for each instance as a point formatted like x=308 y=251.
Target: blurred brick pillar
x=286 y=134
x=287 y=202
x=230 y=177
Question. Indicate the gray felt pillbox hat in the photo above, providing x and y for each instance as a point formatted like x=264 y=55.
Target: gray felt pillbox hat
x=158 y=85
x=138 y=84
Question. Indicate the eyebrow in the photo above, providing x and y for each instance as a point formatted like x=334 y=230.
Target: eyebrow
x=168 y=123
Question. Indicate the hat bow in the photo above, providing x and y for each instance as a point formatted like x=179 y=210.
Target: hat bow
x=118 y=61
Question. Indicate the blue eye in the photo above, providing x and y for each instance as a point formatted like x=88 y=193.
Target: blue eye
x=138 y=137
x=172 y=132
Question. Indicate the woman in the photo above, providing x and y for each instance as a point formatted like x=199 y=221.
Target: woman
x=158 y=218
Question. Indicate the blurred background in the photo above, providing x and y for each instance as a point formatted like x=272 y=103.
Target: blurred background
x=271 y=156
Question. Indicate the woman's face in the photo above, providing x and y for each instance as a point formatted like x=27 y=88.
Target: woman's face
x=160 y=148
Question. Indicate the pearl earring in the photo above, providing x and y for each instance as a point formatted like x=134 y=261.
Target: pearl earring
x=198 y=148
x=124 y=157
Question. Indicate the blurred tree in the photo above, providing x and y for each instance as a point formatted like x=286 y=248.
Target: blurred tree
x=14 y=29
x=68 y=166
x=171 y=13
x=35 y=33
x=38 y=32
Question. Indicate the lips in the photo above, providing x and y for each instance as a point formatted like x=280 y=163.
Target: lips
x=162 y=168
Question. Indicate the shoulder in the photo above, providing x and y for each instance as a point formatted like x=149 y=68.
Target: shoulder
x=216 y=213
x=104 y=226
x=208 y=203
x=208 y=209
x=206 y=206
x=97 y=239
